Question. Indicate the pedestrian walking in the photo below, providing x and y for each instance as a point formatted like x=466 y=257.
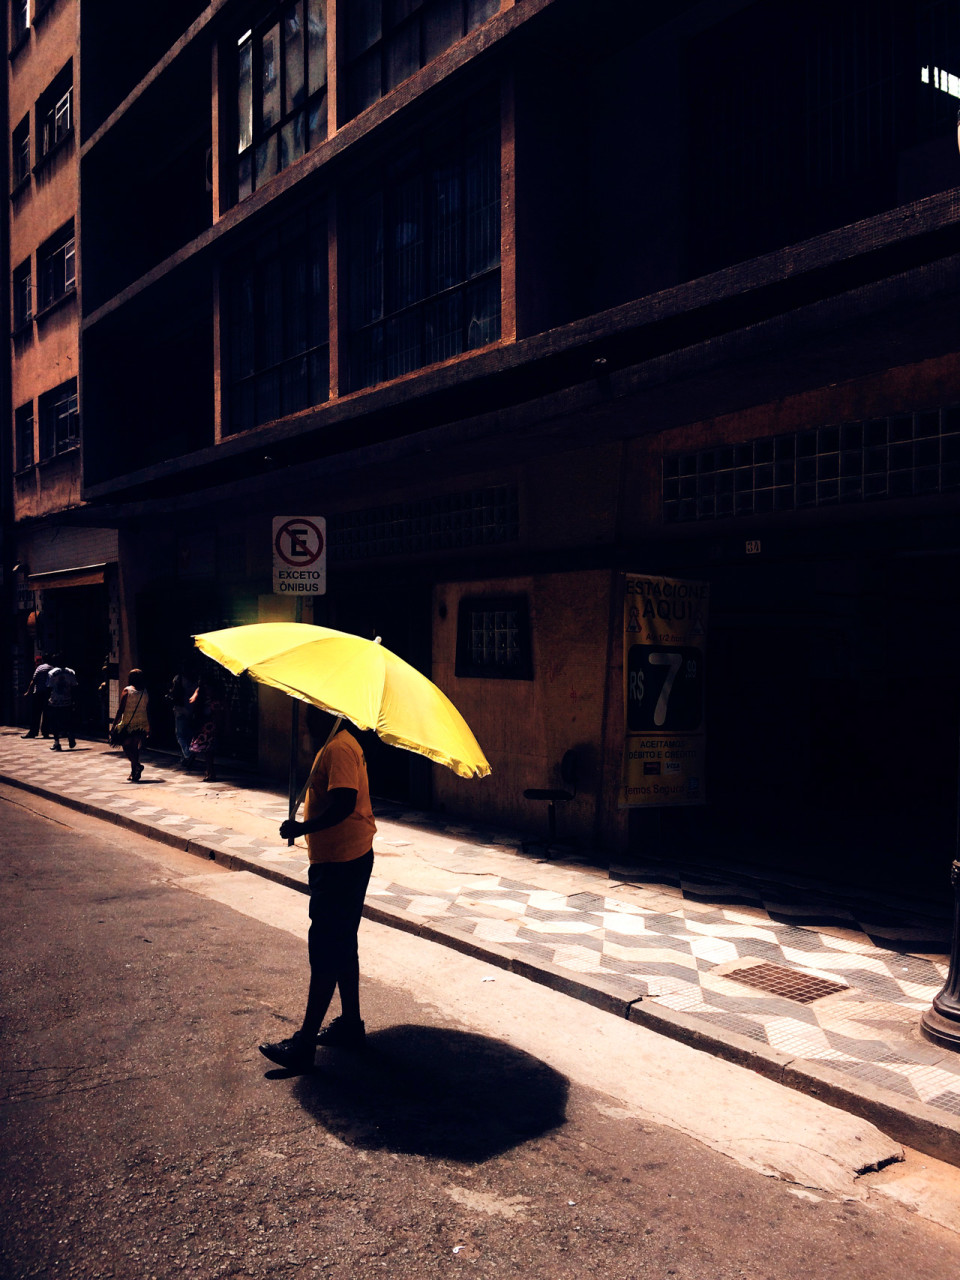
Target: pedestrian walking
x=131 y=724
x=38 y=690
x=339 y=826
x=203 y=745
x=182 y=689
x=62 y=683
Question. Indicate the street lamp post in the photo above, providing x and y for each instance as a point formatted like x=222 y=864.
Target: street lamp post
x=941 y=1022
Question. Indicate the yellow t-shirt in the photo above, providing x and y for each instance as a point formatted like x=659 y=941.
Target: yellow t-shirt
x=340 y=764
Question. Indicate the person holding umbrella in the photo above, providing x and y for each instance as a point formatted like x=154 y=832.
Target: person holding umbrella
x=339 y=827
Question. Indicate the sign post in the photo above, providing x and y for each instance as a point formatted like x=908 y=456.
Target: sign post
x=299 y=570
x=664 y=639
x=299 y=556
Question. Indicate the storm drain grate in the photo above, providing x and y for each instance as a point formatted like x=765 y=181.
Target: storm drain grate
x=778 y=981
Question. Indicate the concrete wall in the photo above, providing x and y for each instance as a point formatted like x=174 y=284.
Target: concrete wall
x=526 y=726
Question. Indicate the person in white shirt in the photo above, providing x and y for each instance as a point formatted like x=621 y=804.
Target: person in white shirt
x=62 y=682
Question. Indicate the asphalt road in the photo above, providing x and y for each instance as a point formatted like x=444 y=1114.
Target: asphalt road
x=144 y=1136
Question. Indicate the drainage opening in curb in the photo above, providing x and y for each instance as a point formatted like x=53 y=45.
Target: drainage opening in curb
x=777 y=981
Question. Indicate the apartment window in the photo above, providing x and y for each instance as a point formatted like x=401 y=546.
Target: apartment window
x=20 y=152
x=388 y=40
x=19 y=22
x=791 y=137
x=281 y=91
x=424 y=259
x=493 y=638
x=56 y=267
x=59 y=420
x=55 y=113
x=277 y=321
x=23 y=437
x=22 y=296
x=938 y=75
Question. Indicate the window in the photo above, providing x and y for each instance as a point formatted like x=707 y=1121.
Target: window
x=277 y=321
x=281 y=91
x=55 y=113
x=493 y=638
x=938 y=76
x=20 y=152
x=424 y=260
x=474 y=518
x=19 y=22
x=23 y=442
x=387 y=41
x=901 y=456
x=56 y=267
x=59 y=420
x=22 y=296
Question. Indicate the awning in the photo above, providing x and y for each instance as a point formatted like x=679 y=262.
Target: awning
x=88 y=575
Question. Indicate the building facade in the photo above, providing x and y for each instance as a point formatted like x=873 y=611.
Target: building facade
x=60 y=576
x=521 y=297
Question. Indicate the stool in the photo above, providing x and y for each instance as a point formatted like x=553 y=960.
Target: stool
x=553 y=797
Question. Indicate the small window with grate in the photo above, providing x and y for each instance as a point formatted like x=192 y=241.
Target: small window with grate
x=59 y=420
x=55 y=114
x=493 y=638
x=22 y=296
x=56 y=268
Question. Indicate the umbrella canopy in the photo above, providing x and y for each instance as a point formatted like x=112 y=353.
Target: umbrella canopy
x=355 y=678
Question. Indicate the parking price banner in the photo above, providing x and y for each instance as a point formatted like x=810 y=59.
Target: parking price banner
x=664 y=640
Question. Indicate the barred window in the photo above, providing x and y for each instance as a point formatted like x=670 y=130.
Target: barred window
x=899 y=456
x=424 y=259
x=493 y=638
x=59 y=420
x=277 y=322
x=281 y=91
x=387 y=41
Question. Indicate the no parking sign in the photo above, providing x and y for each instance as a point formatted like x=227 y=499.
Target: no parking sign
x=299 y=555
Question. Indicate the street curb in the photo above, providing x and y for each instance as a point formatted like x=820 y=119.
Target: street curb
x=913 y=1124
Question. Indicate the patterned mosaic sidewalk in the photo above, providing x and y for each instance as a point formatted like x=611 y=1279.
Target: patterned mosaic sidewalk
x=656 y=944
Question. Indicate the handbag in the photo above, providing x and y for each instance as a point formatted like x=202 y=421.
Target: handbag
x=119 y=731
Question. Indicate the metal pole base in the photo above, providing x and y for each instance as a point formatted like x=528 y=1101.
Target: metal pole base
x=942 y=1031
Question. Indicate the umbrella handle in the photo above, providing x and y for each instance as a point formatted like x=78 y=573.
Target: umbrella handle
x=303 y=790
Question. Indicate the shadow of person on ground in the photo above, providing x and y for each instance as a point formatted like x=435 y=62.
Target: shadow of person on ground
x=430 y=1091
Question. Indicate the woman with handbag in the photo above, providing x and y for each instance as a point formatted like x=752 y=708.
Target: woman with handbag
x=131 y=725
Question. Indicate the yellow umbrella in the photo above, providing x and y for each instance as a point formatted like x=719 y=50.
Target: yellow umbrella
x=354 y=678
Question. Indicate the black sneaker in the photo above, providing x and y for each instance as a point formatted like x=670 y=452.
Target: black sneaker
x=341 y=1034
x=28 y=735
x=56 y=747
x=293 y=1054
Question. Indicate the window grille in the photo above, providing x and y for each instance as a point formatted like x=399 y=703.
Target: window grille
x=56 y=267
x=478 y=518
x=277 y=323
x=424 y=260
x=59 y=420
x=904 y=455
x=281 y=91
x=493 y=638
x=387 y=41
x=23 y=444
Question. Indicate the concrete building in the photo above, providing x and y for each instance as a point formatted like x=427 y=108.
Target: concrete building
x=520 y=298
x=61 y=575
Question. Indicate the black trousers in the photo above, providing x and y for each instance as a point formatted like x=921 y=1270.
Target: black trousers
x=337 y=891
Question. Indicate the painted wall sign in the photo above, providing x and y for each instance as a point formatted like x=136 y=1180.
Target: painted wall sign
x=299 y=555
x=664 y=641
